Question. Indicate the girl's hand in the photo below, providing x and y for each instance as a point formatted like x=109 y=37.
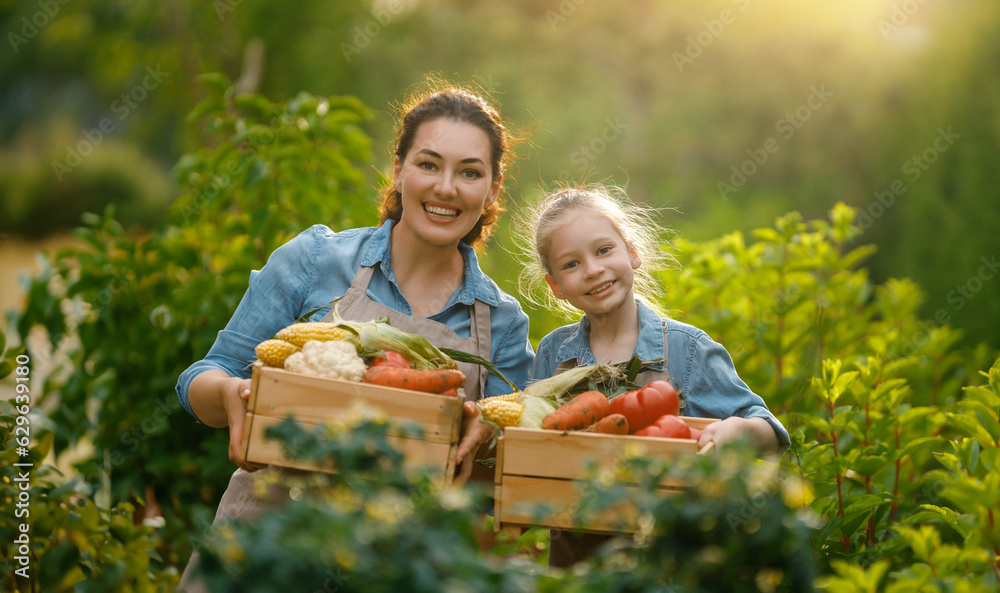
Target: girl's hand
x=234 y=398
x=758 y=430
x=474 y=434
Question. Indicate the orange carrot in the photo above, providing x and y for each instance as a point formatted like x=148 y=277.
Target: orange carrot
x=426 y=380
x=579 y=412
x=610 y=424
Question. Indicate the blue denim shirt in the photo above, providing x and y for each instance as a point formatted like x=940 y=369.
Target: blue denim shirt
x=318 y=266
x=700 y=367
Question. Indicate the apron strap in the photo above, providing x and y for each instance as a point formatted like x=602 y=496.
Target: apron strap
x=480 y=332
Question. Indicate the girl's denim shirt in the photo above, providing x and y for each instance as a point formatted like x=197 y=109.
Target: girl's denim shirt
x=700 y=367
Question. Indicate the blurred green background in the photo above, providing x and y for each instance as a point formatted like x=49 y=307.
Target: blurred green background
x=728 y=112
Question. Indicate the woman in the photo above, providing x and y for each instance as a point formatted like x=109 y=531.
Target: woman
x=419 y=268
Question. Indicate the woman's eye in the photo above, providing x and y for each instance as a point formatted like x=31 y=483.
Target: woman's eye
x=427 y=166
x=471 y=174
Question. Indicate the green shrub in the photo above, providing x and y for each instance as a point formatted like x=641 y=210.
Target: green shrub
x=127 y=314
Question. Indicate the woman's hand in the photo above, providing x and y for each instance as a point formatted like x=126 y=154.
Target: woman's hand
x=220 y=400
x=234 y=398
x=758 y=430
x=474 y=434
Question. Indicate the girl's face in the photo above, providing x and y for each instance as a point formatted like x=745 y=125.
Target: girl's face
x=591 y=267
x=445 y=181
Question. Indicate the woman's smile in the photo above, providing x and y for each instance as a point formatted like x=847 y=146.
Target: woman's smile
x=441 y=211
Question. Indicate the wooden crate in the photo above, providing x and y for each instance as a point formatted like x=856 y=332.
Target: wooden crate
x=275 y=394
x=544 y=467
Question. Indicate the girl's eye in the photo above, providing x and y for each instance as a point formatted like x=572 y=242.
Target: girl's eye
x=569 y=265
x=603 y=250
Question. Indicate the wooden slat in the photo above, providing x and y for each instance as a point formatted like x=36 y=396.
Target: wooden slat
x=520 y=497
x=566 y=455
x=416 y=452
x=277 y=393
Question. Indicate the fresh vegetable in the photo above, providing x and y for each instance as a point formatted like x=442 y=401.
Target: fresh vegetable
x=580 y=412
x=298 y=334
x=610 y=424
x=667 y=426
x=392 y=359
x=695 y=433
x=577 y=380
x=531 y=410
x=335 y=359
x=426 y=380
x=502 y=410
x=273 y=353
x=419 y=353
x=643 y=406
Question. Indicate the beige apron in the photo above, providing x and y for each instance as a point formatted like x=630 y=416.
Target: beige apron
x=239 y=501
x=566 y=548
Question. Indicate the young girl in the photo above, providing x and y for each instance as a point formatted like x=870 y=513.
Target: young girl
x=595 y=251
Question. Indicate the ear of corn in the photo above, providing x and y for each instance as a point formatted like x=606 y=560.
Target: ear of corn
x=273 y=353
x=298 y=334
x=420 y=353
x=502 y=410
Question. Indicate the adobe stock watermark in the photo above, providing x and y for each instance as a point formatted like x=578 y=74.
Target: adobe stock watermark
x=122 y=107
x=958 y=297
x=712 y=29
x=786 y=127
x=222 y=180
x=381 y=16
x=225 y=6
x=913 y=169
x=901 y=13
x=586 y=155
x=33 y=25
x=565 y=10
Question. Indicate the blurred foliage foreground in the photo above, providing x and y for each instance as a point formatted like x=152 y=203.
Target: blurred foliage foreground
x=890 y=484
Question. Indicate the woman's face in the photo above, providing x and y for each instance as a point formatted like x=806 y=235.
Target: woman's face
x=445 y=181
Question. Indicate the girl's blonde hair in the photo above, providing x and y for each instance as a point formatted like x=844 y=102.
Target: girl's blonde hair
x=636 y=224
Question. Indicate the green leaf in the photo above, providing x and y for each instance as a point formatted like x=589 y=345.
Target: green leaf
x=856 y=511
x=929 y=512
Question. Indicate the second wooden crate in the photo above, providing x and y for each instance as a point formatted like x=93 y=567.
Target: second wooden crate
x=544 y=468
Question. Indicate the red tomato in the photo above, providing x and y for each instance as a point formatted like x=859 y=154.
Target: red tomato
x=667 y=426
x=450 y=392
x=392 y=359
x=645 y=405
x=695 y=433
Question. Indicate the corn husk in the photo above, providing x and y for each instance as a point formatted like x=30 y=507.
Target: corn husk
x=561 y=388
x=421 y=354
x=535 y=409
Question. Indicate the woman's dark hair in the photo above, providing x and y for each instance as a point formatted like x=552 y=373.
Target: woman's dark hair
x=458 y=105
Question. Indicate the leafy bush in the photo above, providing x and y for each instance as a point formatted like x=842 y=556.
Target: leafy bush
x=55 y=538
x=890 y=428
x=127 y=314
x=374 y=526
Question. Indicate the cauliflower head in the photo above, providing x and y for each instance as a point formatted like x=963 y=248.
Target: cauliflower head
x=336 y=359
